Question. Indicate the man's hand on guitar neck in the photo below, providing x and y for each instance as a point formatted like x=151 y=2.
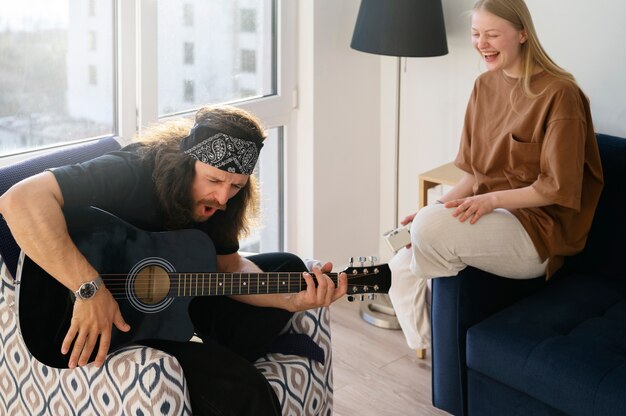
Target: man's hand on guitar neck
x=314 y=296
x=323 y=295
x=92 y=319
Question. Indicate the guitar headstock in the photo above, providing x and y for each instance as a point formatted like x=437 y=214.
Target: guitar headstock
x=368 y=279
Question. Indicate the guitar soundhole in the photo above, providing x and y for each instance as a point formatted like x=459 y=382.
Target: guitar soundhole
x=151 y=285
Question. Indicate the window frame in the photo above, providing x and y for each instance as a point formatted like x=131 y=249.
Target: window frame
x=140 y=74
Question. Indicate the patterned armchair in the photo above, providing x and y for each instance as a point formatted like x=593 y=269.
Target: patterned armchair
x=138 y=380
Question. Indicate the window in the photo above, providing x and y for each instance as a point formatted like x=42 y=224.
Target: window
x=188 y=52
x=244 y=92
x=93 y=75
x=48 y=72
x=189 y=91
x=248 y=60
x=188 y=14
x=91 y=40
x=231 y=57
x=92 y=8
x=248 y=20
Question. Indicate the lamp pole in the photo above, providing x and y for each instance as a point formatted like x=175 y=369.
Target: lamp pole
x=402 y=28
x=396 y=161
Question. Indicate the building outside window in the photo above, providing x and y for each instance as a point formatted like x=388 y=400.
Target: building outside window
x=188 y=14
x=91 y=40
x=248 y=20
x=221 y=71
x=248 y=60
x=189 y=91
x=93 y=75
x=56 y=73
x=92 y=8
x=188 y=48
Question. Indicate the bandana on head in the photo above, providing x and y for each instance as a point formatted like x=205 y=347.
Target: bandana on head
x=220 y=150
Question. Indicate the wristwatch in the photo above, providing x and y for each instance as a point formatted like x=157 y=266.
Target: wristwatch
x=88 y=289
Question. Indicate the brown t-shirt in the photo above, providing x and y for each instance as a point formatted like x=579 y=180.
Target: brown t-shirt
x=511 y=141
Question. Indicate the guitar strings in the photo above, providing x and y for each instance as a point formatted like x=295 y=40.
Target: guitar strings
x=117 y=287
x=109 y=277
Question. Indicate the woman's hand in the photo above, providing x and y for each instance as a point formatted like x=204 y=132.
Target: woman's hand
x=408 y=219
x=473 y=207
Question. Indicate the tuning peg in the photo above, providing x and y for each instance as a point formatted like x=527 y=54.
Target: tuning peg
x=371 y=296
x=362 y=260
x=351 y=261
x=373 y=260
x=362 y=297
x=350 y=298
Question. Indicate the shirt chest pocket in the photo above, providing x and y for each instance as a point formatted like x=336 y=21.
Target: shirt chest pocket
x=522 y=168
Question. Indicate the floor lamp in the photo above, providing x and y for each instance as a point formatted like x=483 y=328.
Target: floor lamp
x=402 y=28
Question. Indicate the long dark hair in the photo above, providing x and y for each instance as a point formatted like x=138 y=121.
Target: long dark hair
x=174 y=172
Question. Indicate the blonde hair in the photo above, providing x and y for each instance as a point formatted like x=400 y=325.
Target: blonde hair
x=516 y=12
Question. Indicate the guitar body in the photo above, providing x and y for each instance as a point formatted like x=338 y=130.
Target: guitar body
x=153 y=277
x=119 y=252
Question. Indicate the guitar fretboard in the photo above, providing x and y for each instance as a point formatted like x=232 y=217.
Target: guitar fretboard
x=216 y=284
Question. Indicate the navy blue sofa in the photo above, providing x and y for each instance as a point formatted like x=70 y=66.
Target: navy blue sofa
x=506 y=347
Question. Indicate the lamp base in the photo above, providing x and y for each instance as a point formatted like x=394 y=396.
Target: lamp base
x=379 y=312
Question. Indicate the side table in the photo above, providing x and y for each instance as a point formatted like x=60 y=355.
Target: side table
x=447 y=174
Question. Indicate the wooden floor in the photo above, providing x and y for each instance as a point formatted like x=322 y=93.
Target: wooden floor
x=375 y=372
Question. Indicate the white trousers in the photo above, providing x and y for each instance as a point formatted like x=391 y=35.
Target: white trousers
x=443 y=246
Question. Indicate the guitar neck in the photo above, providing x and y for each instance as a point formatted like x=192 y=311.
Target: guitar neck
x=220 y=284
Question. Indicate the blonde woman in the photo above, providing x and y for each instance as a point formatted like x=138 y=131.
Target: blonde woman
x=532 y=173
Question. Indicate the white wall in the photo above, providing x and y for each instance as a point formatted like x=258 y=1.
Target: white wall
x=336 y=177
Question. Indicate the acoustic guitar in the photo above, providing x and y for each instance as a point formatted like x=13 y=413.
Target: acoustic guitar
x=153 y=276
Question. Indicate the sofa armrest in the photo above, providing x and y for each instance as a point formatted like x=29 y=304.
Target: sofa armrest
x=458 y=302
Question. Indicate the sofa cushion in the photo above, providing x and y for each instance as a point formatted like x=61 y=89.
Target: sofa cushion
x=564 y=346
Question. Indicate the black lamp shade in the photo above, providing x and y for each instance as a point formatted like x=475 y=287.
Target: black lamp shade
x=411 y=28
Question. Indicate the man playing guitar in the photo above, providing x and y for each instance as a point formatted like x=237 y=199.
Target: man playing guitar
x=174 y=178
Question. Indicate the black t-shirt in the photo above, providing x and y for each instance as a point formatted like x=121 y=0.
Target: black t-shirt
x=121 y=183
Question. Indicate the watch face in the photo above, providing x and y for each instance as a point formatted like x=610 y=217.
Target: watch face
x=87 y=290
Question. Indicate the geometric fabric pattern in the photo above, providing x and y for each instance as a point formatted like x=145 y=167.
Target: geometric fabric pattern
x=133 y=381
x=303 y=386
x=145 y=381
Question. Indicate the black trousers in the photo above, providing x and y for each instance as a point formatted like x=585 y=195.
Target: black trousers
x=220 y=374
